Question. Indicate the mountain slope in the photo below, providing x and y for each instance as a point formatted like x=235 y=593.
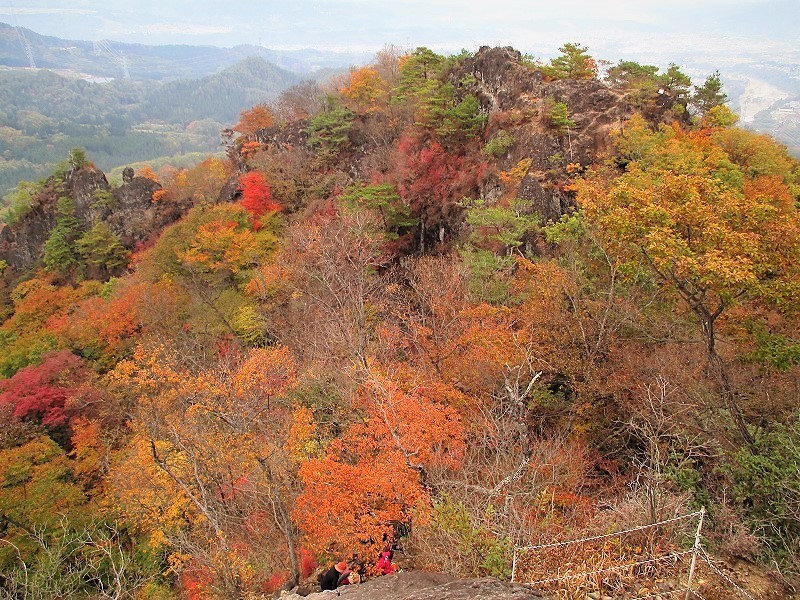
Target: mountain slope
x=45 y=115
x=221 y=96
x=382 y=324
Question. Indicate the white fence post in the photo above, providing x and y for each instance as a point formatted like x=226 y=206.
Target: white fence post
x=514 y=566
x=695 y=552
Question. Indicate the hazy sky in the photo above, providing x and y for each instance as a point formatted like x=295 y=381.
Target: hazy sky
x=611 y=28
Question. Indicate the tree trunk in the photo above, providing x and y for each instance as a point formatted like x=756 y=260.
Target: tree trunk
x=717 y=366
x=283 y=521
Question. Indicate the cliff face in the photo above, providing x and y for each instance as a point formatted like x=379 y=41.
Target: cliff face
x=133 y=215
x=129 y=212
x=20 y=246
x=521 y=103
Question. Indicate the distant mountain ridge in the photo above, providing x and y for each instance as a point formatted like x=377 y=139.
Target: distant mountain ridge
x=43 y=115
x=221 y=96
x=139 y=61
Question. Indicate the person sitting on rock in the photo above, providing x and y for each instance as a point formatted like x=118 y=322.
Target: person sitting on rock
x=332 y=578
x=385 y=566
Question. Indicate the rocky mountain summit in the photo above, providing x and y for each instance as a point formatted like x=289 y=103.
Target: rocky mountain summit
x=128 y=210
x=520 y=106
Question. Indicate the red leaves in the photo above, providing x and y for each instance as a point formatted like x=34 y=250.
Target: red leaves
x=433 y=180
x=257 y=197
x=42 y=391
x=307 y=563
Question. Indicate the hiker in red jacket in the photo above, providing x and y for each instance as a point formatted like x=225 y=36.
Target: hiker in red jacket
x=385 y=565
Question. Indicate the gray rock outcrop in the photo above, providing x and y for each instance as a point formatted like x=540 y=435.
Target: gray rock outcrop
x=422 y=585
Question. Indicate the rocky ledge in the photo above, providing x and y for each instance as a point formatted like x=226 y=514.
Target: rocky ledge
x=421 y=585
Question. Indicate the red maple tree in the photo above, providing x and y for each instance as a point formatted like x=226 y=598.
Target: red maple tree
x=42 y=391
x=257 y=197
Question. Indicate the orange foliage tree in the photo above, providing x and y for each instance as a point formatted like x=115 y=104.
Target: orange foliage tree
x=147 y=171
x=207 y=472
x=104 y=329
x=375 y=475
x=473 y=347
x=254 y=119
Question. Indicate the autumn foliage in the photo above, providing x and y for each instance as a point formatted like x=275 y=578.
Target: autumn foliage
x=388 y=323
x=254 y=119
x=42 y=392
x=147 y=172
x=257 y=197
x=365 y=89
x=201 y=184
x=374 y=476
x=203 y=461
x=433 y=179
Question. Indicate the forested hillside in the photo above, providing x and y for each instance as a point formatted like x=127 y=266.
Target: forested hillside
x=43 y=115
x=457 y=304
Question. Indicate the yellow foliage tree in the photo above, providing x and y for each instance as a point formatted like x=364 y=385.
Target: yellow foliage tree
x=365 y=89
x=715 y=225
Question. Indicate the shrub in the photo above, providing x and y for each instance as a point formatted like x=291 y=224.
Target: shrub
x=500 y=144
x=766 y=486
x=460 y=546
